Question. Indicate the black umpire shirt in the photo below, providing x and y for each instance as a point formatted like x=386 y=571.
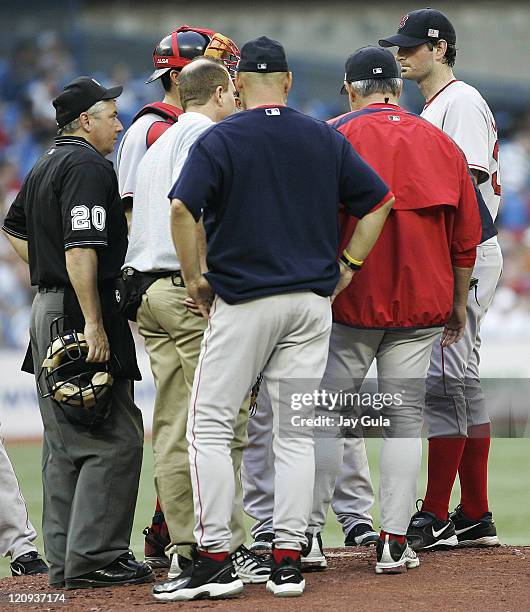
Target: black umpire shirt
x=69 y=199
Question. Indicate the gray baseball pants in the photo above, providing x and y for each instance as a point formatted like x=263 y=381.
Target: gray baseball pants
x=353 y=497
x=16 y=531
x=400 y=355
x=286 y=338
x=454 y=399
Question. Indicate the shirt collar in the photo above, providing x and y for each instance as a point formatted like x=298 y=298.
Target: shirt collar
x=194 y=117
x=383 y=105
x=74 y=140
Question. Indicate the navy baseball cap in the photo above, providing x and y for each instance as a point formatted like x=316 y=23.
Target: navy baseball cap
x=262 y=55
x=78 y=96
x=421 y=26
x=370 y=63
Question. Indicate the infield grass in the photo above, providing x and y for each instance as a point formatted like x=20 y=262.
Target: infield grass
x=509 y=492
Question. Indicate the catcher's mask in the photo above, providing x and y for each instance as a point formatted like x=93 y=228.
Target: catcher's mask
x=81 y=389
x=177 y=49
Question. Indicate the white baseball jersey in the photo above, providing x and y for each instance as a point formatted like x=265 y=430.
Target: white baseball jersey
x=131 y=150
x=460 y=111
x=150 y=244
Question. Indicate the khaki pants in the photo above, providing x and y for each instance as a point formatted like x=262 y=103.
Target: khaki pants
x=173 y=340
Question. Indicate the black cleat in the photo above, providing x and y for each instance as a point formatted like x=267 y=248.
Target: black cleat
x=393 y=557
x=427 y=532
x=362 y=534
x=29 y=564
x=312 y=556
x=203 y=578
x=262 y=545
x=286 y=578
x=474 y=533
x=156 y=541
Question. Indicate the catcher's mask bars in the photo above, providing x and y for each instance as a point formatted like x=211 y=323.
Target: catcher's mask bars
x=181 y=46
x=81 y=389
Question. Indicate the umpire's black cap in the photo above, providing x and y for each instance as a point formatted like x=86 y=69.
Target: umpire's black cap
x=78 y=96
x=370 y=63
x=421 y=26
x=262 y=55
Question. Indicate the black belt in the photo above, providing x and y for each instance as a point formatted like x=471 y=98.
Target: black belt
x=176 y=276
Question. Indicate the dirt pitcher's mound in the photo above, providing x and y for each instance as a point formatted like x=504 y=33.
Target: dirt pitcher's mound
x=472 y=579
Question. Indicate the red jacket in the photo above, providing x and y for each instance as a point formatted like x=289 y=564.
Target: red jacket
x=407 y=280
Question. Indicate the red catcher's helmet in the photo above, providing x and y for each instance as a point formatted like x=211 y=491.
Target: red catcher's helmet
x=181 y=46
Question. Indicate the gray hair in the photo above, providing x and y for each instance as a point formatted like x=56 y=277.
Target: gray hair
x=377 y=86
x=74 y=125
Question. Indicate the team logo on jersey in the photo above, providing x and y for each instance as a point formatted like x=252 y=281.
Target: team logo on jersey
x=403 y=22
x=394 y=118
x=272 y=111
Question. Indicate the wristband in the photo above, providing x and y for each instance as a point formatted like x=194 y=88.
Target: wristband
x=351 y=262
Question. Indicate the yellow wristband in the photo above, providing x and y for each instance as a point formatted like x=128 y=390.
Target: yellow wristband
x=356 y=262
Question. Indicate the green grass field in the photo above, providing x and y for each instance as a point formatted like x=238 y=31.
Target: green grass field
x=509 y=492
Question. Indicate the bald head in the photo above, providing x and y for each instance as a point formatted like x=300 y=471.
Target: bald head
x=198 y=81
x=262 y=88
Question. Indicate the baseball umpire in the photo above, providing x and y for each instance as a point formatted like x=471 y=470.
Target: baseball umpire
x=170 y=55
x=455 y=411
x=271 y=225
x=68 y=223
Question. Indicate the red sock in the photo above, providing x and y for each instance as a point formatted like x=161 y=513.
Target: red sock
x=215 y=556
x=444 y=459
x=392 y=536
x=280 y=553
x=473 y=472
x=158 y=507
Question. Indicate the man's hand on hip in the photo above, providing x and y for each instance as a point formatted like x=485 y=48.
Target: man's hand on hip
x=202 y=294
x=345 y=279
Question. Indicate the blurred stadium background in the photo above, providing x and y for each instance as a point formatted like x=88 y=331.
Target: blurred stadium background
x=46 y=44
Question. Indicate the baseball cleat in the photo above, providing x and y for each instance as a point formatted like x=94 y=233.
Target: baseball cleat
x=203 y=578
x=262 y=545
x=251 y=568
x=28 y=565
x=178 y=565
x=313 y=558
x=394 y=558
x=156 y=541
x=427 y=532
x=362 y=534
x=474 y=533
x=286 y=578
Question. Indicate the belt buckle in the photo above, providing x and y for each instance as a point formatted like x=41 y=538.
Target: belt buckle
x=177 y=280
